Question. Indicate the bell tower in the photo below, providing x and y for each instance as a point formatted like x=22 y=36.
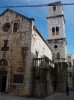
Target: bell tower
x=56 y=31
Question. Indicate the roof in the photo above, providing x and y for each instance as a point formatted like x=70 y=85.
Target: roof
x=54 y=3
x=62 y=15
x=16 y=13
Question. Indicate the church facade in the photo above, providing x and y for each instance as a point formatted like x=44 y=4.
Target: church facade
x=30 y=65
x=25 y=57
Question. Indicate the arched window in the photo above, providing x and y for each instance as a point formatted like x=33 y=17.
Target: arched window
x=57 y=30
x=3 y=62
x=53 y=30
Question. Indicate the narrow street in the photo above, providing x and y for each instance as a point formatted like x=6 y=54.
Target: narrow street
x=55 y=96
x=4 y=96
x=61 y=96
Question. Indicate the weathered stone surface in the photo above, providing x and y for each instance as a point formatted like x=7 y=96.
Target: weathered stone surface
x=23 y=42
x=61 y=76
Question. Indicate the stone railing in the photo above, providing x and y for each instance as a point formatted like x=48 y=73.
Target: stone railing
x=44 y=62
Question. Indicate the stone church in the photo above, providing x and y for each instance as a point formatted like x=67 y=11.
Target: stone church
x=24 y=55
x=28 y=63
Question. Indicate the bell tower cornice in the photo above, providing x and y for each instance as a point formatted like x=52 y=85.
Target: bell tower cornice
x=57 y=16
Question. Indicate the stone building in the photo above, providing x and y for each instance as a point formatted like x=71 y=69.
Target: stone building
x=70 y=74
x=25 y=57
x=72 y=61
x=57 y=43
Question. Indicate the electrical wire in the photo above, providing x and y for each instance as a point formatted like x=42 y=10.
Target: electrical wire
x=39 y=5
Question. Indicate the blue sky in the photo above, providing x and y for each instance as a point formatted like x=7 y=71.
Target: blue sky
x=40 y=14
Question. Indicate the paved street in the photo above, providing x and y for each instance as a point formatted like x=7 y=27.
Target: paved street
x=9 y=97
x=55 y=96
x=61 y=96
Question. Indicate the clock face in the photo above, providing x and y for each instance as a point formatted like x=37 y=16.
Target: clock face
x=55 y=22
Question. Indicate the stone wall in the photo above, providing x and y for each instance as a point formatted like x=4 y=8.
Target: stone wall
x=42 y=78
x=18 y=54
x=39 y=45
x=61 y=48
x=61 y=76
x=18 y=48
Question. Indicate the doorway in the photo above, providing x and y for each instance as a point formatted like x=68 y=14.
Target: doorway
x=3 y=79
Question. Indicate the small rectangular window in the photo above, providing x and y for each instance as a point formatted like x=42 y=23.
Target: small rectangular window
x=69 y=74
x=5 y=46
x=18 y=78
x=15 y=27
x=54 y=8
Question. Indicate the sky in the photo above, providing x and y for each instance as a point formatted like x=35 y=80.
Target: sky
x=40 y=14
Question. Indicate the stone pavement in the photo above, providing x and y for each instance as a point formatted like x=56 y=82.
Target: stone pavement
x=55 y=96
x=10 y=97
x=61 y=96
